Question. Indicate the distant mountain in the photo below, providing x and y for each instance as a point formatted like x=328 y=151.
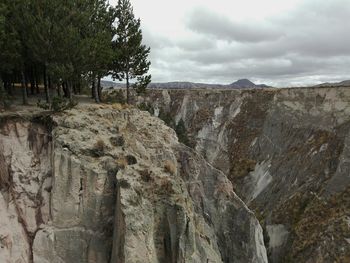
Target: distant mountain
x=109 y=84
x=345 y=83
x=239 y=84
x=184 y=85
x=246 y=83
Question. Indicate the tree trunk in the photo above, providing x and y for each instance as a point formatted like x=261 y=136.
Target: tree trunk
x=127 y=88
x=92 y=88
x=94 y=91
x=32 y=82
x=2 y=89
x=99 y=90
x=24 y=89
x=70 y=92
x=49 y=82
x=12 y=89
x=3 y=84
x=59 y=90
x=75 y=88
x=26 y=81
x=36 y=82
x=79 y=87
x=47 y=91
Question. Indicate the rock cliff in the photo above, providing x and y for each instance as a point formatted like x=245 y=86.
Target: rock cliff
x=104 y=183
x=286 y=153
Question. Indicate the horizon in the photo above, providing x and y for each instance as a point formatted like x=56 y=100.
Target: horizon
x=226 y=84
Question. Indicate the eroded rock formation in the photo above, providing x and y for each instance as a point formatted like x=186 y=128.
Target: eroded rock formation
x=105 y=184
x=286 y=153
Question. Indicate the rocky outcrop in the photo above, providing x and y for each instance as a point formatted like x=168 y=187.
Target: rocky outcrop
x=25 y=185
x=286 y=154
x=112 y=184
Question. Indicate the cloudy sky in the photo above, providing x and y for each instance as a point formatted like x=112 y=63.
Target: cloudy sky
x=277 y=42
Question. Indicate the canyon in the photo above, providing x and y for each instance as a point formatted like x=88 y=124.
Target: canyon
x=257 y=175
x=286 y=152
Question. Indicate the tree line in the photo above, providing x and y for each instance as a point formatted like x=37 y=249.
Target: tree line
x=62 y=45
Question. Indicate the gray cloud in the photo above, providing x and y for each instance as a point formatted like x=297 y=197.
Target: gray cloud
x=209 y=23
x=308 y=44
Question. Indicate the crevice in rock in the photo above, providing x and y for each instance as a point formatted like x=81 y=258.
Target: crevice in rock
x=117 y=253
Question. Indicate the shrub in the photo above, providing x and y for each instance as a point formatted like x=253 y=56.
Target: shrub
x=181 y=133
x=131 y=160
x=167 y=118
x=170 y=167
x=116 y=96
x=99 y=148
x=124 y=183
x=121 y=162
x=146 y=107
x=58 y=104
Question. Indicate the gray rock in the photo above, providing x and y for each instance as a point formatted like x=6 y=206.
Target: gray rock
x=286 y=152
x=152 y=200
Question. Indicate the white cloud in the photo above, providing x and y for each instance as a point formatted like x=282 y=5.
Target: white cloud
x=272 y=41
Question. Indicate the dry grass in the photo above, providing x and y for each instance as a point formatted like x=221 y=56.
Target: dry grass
x=170 y=167
x=122 y=162
x=119 y=106
x=100 y=145
x=98 y=148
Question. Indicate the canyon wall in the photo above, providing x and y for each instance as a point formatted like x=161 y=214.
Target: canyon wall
x=286 y=153
x=105 y=183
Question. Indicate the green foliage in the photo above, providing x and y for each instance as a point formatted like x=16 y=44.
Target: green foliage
x=10 y=44
x=5 y=99
x=116 y=96
x=63 y=41
x=167 y=118
x=57 y=104
x=130 y=55
x=181 y=132
x=146 y=107
x=179 y=128
x=66 y=43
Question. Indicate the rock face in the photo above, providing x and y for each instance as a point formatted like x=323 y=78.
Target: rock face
x=25 y=185
x=106 y=184
x=286 y=153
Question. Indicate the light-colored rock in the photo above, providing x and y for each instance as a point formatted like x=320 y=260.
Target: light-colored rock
x=286 y=152
x=116 y=186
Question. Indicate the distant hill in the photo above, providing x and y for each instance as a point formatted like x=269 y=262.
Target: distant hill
x=239 y=84
x=345 y=83
x=246 y=83
x=183 y=85
x=108 y=84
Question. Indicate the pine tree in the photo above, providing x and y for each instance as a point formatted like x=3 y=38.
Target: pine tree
x=57 y=43
x=131 y=56
x=10 y=47
x=98 y=43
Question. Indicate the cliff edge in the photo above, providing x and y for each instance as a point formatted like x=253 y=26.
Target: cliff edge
x=104 y=183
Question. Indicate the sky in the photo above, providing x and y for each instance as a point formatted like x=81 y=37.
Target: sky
x=276 y=42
